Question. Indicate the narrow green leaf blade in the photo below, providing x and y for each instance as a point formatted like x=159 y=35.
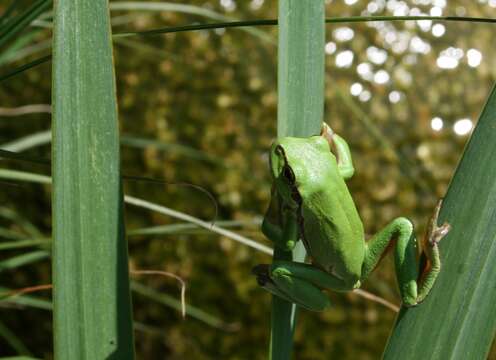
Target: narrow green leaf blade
x=170 y=301
x=13 y=340
x=92 y=305
x=458 y=319
x=21 y=21
x=9 y=10
x=300 y=113
x=23 y=259
x=25 y=67
x=300 y=85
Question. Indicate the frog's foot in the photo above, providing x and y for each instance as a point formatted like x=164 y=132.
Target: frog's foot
x=431 y=260
x=262 y=272
x=282 y=282
x=438 y=233
x=435 y=233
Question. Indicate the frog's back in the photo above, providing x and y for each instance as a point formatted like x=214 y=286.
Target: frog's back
x=333 y=235
x=332 y=229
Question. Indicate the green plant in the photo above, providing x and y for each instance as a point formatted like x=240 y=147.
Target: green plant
x=299 y=113
x=293 y=102
x=455 y=321
x=90 y=262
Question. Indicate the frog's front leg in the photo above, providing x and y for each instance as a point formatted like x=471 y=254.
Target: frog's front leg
x=399 y=233
x=280 y=224
x=299 y=283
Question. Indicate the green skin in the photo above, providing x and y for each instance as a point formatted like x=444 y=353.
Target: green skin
x=311 y=202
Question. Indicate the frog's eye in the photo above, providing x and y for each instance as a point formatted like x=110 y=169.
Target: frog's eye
x=288 y=174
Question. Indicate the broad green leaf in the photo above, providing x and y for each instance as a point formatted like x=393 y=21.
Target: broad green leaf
x=458 y=318
x=92 y=302
x=300 y=113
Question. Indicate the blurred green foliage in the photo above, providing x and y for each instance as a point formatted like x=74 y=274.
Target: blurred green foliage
x=215 y=92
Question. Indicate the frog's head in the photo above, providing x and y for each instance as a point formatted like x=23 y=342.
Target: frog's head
x=297 y=163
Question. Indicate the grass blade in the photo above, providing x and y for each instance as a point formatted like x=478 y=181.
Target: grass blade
x=171 y=302
x=183 y=8
x=203 y=224
x=243 y=24
x=24 y=176
x=18 y=23
x=92 y=302
x=300 y=113
x=182 y=227
x=139 y=142
x=25 y=67
x=45 y=137
x=43 y=179
x=458 y=319
x=22 y=260
x=19 y=244
x=10 y=9
x=11 y=339
x=24 y=301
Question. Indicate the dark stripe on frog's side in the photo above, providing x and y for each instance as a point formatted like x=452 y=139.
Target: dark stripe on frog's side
x=295 y=194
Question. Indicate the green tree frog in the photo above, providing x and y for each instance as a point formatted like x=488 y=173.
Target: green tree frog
x=310 y=201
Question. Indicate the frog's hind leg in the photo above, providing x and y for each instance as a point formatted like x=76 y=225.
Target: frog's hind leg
x=399 y=233
x=299 y=283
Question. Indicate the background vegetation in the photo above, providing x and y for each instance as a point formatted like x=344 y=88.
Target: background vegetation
x=200 y=107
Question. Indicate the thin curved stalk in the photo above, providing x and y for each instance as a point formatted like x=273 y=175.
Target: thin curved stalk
x=183 y=8
x=264 y=22
x=209 y=226
x=43 y=179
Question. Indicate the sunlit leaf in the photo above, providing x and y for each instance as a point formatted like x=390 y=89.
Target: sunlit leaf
x=458 y=318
